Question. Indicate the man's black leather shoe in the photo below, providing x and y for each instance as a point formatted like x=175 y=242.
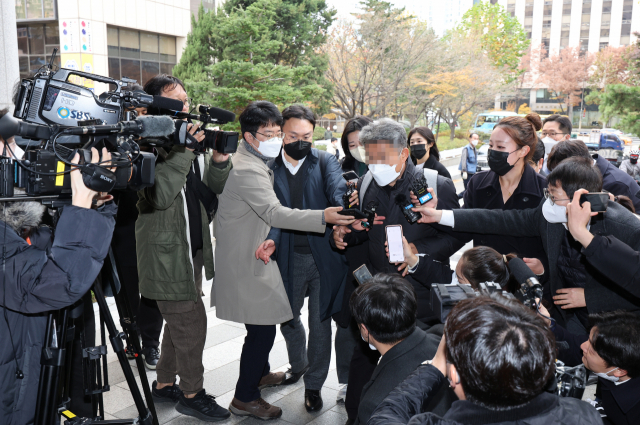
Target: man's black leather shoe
x=312 y=400
x=292 y=378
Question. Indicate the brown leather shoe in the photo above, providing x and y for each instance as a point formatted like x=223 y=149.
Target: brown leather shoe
x=259 y=409
x=272 y=379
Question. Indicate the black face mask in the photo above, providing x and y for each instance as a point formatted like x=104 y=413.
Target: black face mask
x=418 y=151
x=298 y=149
x=633 y=160
x=498 y=162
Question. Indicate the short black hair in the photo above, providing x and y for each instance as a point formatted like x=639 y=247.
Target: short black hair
x=472 y=133
x=483 y=264
x=567 y=149
x=259 y=114
x=356 y=123
x=538 y=152
x=387 y=306
x=576 y=173
x=563 y=122
x=298 y=111
x=162 y=82
x=504 y=354
x=334 y=139
x=616 y=339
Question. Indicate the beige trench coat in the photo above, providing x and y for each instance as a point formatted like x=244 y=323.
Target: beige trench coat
x=245 y=290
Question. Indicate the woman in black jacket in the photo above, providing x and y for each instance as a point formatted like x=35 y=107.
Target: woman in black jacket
x=354 y=156
x=424 y=151
x=510 y=184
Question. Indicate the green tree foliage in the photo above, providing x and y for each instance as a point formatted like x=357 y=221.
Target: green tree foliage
x=499 y=36
x=257 y=50
x=622 y=101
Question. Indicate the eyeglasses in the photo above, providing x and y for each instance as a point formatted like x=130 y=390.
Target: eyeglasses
x=307 y=138
x=269 y=135
x=551 y=134
x=550 y=197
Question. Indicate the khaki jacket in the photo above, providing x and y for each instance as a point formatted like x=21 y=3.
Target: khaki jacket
x=245 y=290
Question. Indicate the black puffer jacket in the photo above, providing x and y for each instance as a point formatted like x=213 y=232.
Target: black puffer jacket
x=404 y=406
x=38 y=280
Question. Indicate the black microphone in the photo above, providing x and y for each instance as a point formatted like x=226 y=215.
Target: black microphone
x=9 y=127
x=530 y=288
x=143 y=99
x=131 y=127
x=221 y=116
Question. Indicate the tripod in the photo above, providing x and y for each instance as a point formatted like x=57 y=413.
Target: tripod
x=56 y=359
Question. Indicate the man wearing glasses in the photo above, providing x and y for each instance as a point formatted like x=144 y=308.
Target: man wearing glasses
x=306 y=178
x=555 y=128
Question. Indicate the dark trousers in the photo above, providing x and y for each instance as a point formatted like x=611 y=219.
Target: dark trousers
x=345 y=343
x=363 y=363
x=254 y=361
x=145 y=311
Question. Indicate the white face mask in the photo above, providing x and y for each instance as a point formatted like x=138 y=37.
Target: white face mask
x=359 y=154
x=554 y=213
x=454 y=278
x=371 y=346
x=605 y=375
x=270 y=148
x=474 y=142
x=549 y=140
x=384 y=174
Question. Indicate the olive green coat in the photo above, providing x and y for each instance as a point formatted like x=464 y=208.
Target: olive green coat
x=163 y=246
x=245 y=290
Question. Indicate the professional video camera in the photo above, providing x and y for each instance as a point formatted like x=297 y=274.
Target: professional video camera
x=222 y=141
x=67 y=118
x=530 y=289
x=444 y=296
x=571 y=381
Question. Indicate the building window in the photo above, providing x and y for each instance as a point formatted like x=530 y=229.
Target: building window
x=605 y=25
x=625 y=33
x=528 y=9
x=35 y=9
x=35 y=45
x=139 y=55
x=584 y=24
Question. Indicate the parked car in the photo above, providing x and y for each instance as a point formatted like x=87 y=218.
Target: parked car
x=483 y=151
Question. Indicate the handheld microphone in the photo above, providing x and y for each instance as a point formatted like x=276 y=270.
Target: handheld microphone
x=406 y=208
x=530 y=288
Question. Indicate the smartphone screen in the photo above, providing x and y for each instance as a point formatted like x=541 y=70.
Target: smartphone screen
x=394 y=242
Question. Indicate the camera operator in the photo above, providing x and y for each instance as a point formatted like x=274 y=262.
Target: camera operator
x=593 y=257
x=498 y=358
x=40 y=275
x=612 y=352
x=385 y=310
x=614 y=180
x=173 y=244
x=249 y=288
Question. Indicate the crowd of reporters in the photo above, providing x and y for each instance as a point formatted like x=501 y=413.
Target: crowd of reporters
x=274 y=207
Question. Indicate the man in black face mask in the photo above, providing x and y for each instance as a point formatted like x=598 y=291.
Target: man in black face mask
x=306 y=178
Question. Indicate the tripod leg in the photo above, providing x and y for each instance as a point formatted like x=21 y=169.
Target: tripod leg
x=118 y=347
x=126 y=316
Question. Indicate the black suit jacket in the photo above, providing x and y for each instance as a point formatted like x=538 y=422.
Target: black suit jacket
x=398 y=363
x=606 y=288
x=621 y=402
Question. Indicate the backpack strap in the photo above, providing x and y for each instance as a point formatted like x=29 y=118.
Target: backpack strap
x=432 y=179
x=323 y=161
x=366 y=181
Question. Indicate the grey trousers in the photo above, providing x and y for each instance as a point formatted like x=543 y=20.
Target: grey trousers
x=306 y=280
x=184 y=336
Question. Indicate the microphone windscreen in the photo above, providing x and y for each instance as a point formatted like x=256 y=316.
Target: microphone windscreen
x=157 y=126
x=520 y=270
x=222 y=114
x=167 y=103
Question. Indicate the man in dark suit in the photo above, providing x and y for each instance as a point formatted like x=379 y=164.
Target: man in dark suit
x=385 y=309
x=586 y=276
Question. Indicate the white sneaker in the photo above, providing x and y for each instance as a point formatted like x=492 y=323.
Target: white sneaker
x=342 y=394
